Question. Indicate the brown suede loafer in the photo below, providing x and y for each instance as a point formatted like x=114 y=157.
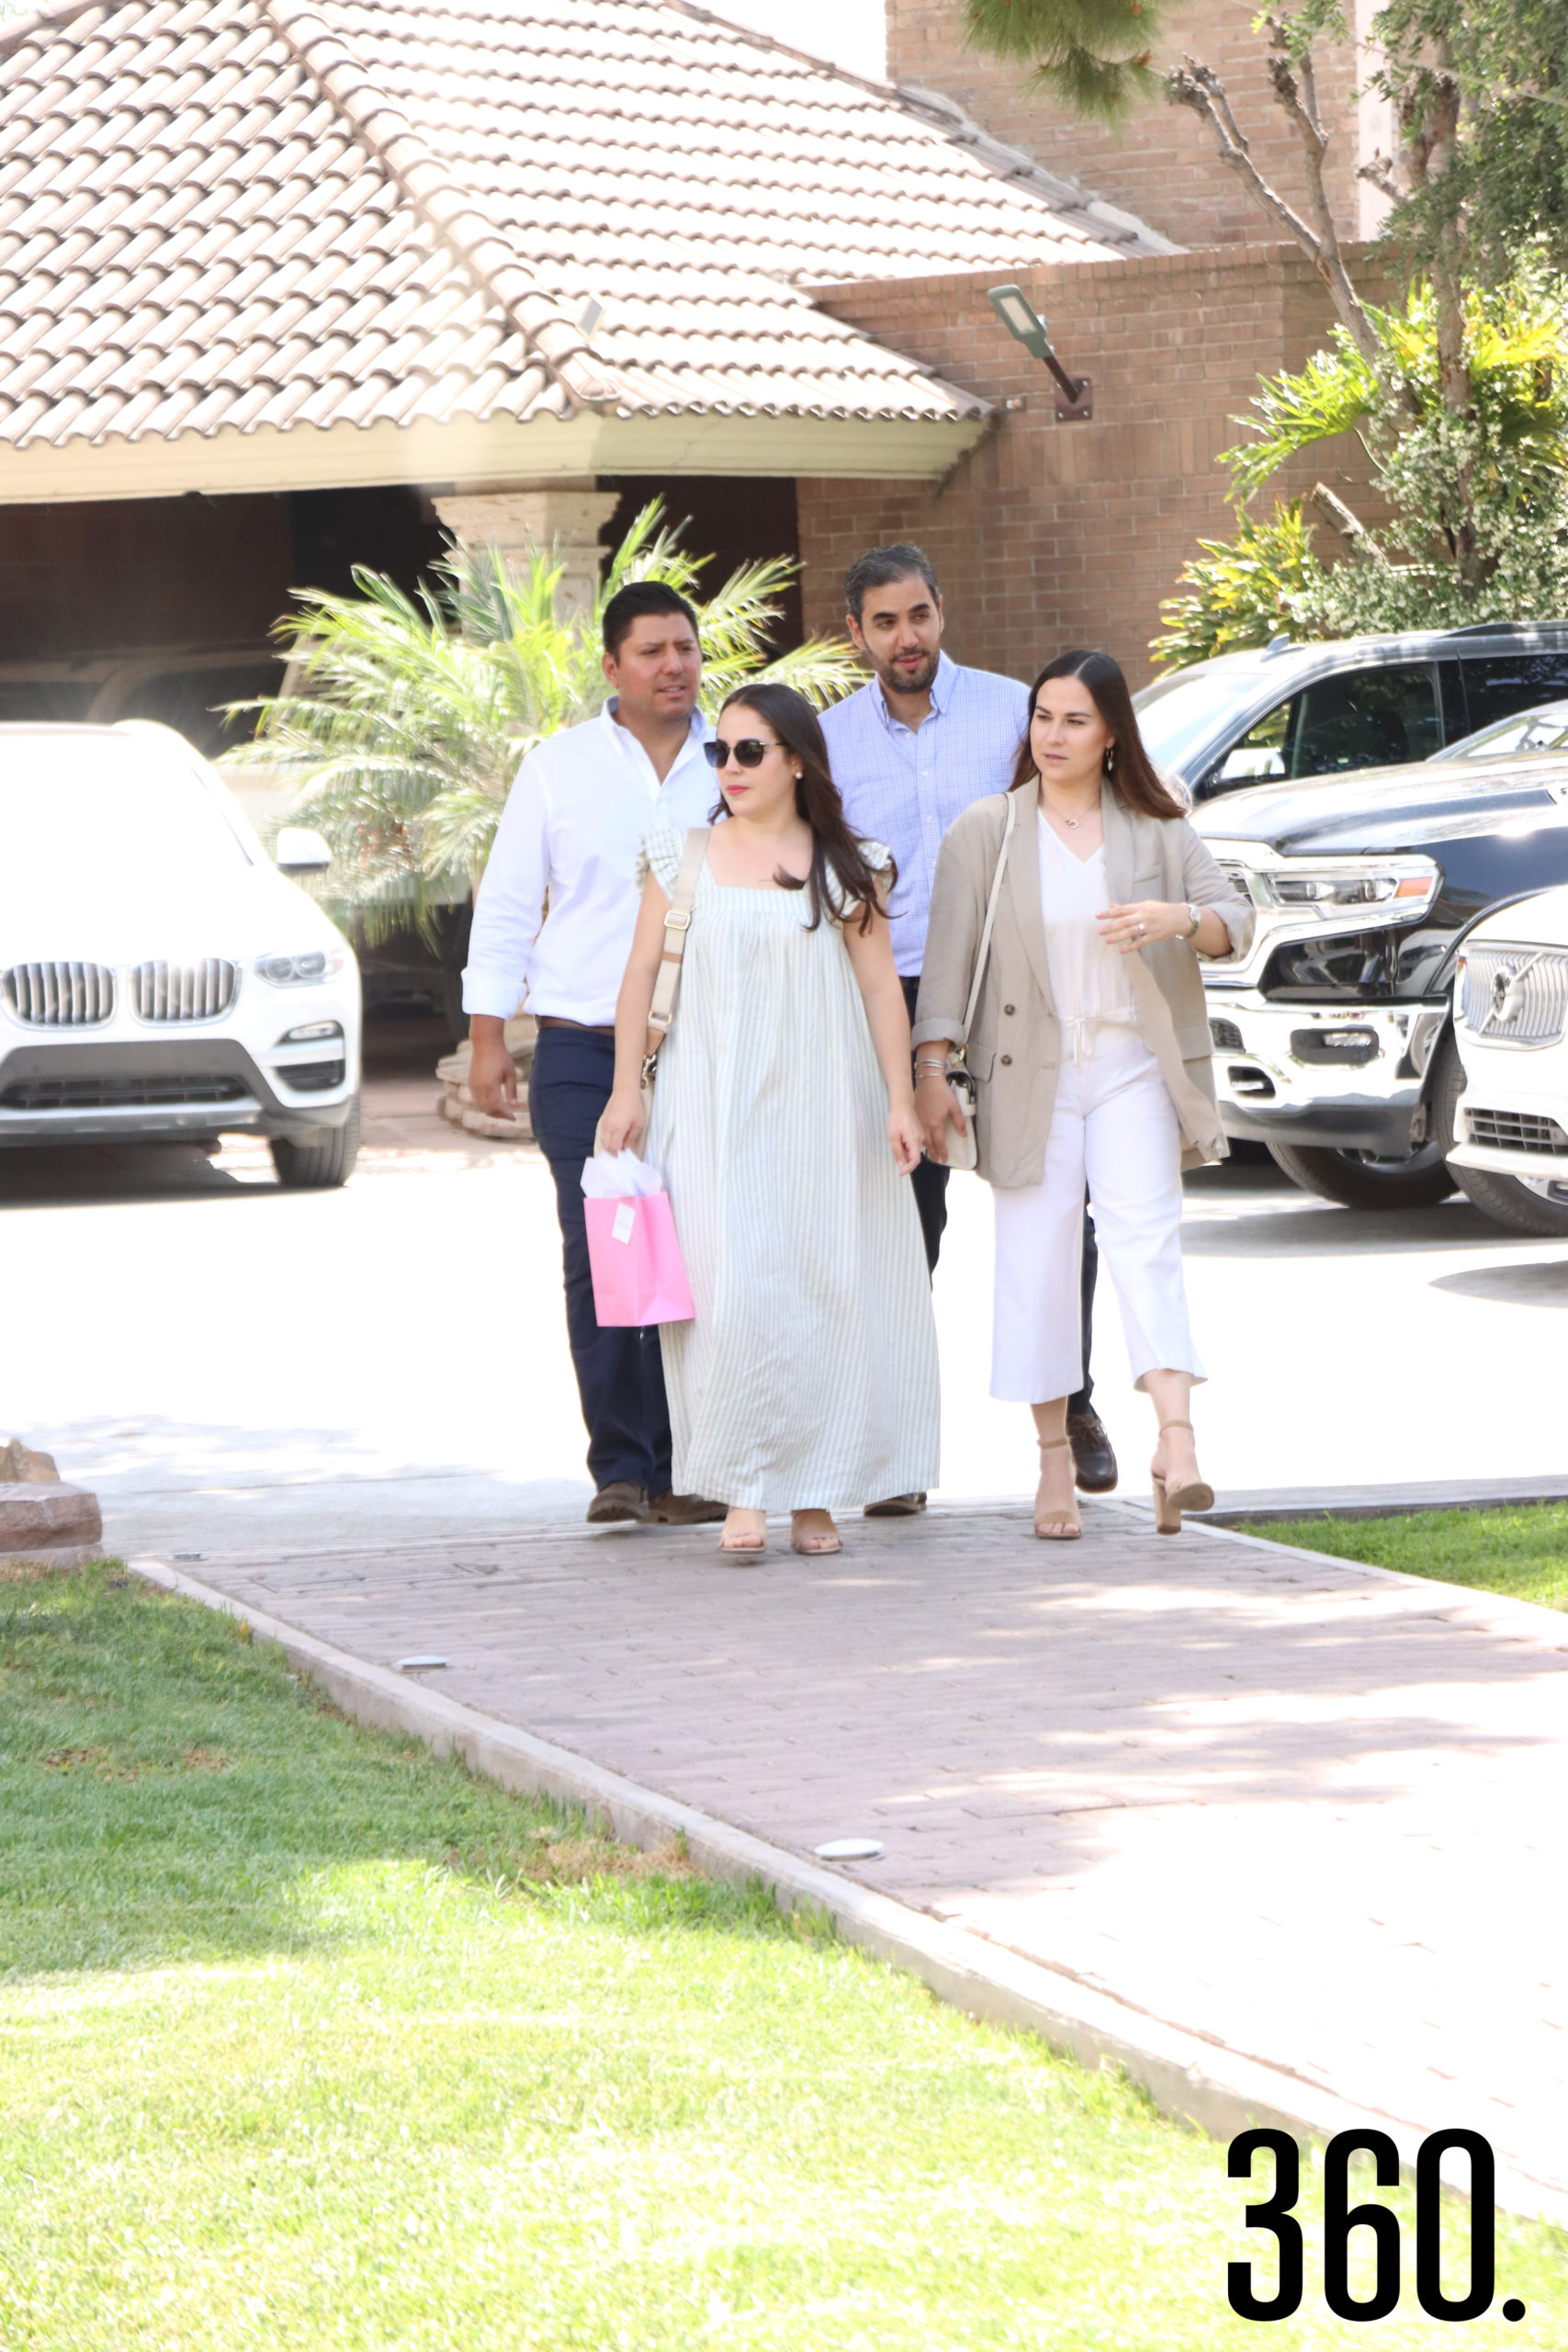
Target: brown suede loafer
x=1094 y=1461
x=619 y=1500
x=670 y=1509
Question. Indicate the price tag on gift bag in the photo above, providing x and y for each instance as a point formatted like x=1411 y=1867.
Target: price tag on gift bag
x=633 y=1253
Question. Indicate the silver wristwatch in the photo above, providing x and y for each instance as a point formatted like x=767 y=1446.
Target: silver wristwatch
x=1192 y=929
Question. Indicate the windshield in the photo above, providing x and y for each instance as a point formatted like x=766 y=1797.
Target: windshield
x=95 y=812
x=1180 y=715
x=1545 y=729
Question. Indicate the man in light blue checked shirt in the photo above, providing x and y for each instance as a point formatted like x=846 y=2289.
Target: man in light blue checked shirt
x=910 y=750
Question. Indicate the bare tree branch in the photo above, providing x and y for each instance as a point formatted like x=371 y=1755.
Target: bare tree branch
x=1339 y=518
x=1381 y=173
x=1195 y=85
x=1199 y=88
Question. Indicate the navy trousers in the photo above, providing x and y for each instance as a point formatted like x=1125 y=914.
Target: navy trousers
x=620 y=1373
x=929 y=1180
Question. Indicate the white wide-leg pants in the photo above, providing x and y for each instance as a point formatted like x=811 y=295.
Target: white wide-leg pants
x=1113 y=1123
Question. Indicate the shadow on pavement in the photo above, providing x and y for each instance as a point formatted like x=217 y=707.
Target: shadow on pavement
x=1537 y=1283
x=58 y=1175
x=1328 y=1231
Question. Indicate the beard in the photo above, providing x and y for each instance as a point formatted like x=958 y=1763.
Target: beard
x=909 y=681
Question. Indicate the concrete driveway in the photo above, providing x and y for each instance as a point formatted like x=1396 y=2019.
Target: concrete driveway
x=231 y=1366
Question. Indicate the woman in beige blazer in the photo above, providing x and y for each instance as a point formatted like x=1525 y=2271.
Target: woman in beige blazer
x=1089 y=1045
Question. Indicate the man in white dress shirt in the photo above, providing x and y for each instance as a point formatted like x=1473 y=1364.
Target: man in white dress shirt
x=568 y=838
x=910 y=751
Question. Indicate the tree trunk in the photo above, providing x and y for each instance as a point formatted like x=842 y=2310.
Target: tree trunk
x=1431 y=155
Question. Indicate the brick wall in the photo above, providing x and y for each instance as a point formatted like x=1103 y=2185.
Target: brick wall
x=1162 y=164
x=1056 y=535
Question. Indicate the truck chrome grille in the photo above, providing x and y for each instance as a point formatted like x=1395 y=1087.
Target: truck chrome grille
x=204 y=992
x=1517 y=1131
x=1518 y=996
x=59 y=996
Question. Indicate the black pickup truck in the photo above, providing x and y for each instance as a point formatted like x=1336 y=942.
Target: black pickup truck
x=1332 y=1040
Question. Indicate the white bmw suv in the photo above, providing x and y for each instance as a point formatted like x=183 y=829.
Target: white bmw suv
x=160 y=978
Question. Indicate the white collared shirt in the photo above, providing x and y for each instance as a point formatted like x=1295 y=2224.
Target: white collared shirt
x=569 y=833
x=905 y=786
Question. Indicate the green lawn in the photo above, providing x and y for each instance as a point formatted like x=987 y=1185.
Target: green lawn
x=308 y=2040
x=1523 y=1552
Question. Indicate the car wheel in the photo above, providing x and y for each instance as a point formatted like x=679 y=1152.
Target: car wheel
x=1515 y=1204
x=1359 y=1179
x=327 y=1161
x=1512 y=1202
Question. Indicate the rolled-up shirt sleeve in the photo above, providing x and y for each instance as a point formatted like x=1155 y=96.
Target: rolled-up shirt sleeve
x=509 y=909
x=1206 y=884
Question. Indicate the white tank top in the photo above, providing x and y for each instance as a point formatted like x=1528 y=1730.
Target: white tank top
x=1089 y=980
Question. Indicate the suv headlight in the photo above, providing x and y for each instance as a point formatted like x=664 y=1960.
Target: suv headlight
x=305 y=969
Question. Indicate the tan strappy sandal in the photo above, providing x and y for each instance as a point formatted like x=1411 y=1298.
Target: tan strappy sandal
x=1171 y=1501
x=1059 y=1526
x=750 y=1549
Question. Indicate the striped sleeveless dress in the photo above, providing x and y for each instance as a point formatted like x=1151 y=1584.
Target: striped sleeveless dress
x=809 y=1377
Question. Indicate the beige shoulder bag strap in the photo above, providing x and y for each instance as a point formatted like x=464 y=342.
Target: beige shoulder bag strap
x=962 y=1151
x=677 y=923
x=984 y=956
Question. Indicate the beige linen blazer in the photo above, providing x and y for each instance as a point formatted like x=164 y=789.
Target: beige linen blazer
x=1015 y=1047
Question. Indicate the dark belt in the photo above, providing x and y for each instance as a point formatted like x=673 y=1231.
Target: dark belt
x=558 y=1020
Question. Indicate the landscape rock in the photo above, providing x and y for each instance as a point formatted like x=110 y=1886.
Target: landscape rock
x=19 y=1463
x=44 y=1516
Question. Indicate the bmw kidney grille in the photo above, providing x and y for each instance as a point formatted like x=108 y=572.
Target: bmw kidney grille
x=172 y=992
x=59 y=995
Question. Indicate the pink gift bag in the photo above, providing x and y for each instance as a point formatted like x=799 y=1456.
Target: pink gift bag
x=635 y=1261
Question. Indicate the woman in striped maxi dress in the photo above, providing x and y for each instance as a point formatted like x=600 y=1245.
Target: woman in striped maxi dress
x=784 y=1125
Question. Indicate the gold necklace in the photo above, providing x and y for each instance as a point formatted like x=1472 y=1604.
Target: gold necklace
x=1072 y=823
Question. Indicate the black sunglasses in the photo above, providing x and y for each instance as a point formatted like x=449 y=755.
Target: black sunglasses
x=747 y=754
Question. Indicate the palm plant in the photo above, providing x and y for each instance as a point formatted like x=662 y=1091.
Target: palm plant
x=405 y=717
x=1515 y=338
x=1241 y=591
x=1474 y=505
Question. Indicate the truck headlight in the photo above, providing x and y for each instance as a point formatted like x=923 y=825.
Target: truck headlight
x=303 y=969
x=1401 y=888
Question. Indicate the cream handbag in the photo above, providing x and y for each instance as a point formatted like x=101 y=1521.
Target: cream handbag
x=963 y=1151
x=667 y=983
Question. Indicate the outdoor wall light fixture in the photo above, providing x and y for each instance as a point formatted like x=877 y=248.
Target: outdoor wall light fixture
x=1075 y=394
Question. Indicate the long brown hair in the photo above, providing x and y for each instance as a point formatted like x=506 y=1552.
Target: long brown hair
x=1131 y=772
x=839 y=876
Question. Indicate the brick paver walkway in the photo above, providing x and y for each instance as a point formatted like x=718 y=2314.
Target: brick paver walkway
x=1309 y=1811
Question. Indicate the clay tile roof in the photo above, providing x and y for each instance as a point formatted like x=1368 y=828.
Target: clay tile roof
x=233 y=213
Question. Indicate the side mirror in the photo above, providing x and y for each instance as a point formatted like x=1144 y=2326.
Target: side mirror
x=301 y=851
x=1250 y=766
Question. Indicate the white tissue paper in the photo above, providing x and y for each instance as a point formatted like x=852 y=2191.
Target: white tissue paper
x=619 y=1175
